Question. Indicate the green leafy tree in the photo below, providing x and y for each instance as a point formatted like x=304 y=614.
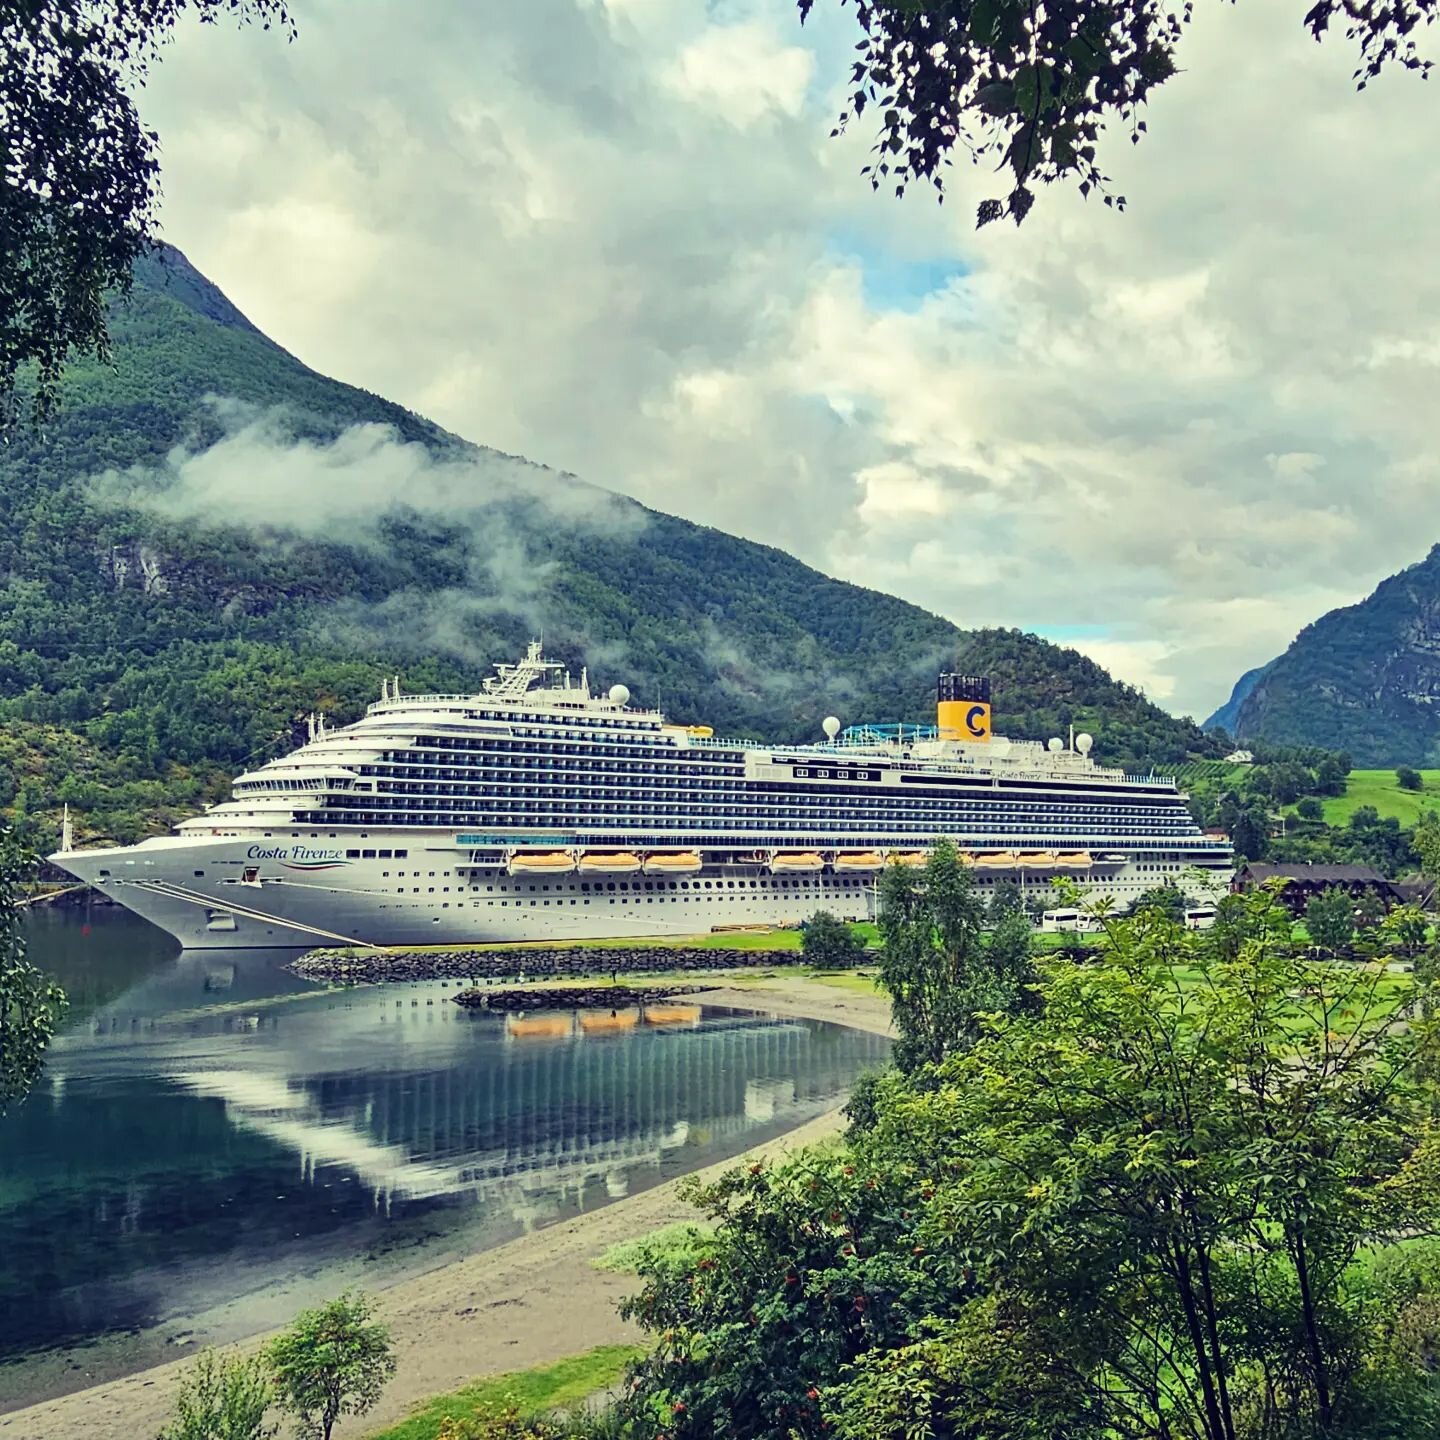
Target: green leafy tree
x=1310 y=809
x=1249 y=834
x=1364 y=817
x=1149 y=1199
x=1330 y=918
x=30 y=1005
x=81 y=175
x=940 y=967
x=1330 y=775
x=1369 y=909
x=1167 y=900
x=1409 y=779
x=1035 y=91
x=1006 y=899
x=332 y=1361
x=1426 y=844
x=830 y=943
x=811 y=1263
x=222 y=1398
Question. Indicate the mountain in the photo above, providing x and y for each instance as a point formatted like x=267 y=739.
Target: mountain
x=212 y=539
x=1365 y=678
x=1228 y=715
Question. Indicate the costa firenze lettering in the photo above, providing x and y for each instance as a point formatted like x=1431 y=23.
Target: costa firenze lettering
x=292 y=852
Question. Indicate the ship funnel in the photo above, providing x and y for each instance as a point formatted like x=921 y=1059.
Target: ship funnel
x=962 y=711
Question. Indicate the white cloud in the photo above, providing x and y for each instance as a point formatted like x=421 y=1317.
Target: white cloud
x=743 y=72
x=604 y=235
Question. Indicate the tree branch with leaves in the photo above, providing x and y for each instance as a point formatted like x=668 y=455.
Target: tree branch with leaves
x=1032 y=87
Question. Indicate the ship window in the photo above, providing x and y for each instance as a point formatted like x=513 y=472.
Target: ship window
x=104 y=872
x=402 y=854
x=198 y=873
x=383 y=854
x=367 y=854
x=352 y=854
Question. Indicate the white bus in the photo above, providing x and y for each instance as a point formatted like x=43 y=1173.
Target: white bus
x=1075 y=921
x=1200 y=917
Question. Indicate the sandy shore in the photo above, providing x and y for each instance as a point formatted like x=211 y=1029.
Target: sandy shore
x=529 y=1302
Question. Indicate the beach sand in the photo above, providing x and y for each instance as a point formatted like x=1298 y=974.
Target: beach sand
x=529 y=1302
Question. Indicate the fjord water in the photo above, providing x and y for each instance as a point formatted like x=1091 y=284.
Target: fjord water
x=216 y=1142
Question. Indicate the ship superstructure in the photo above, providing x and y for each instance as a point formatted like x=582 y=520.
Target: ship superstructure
x=540 y=809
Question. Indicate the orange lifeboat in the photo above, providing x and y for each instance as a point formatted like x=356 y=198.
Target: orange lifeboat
x=683 y=862
x=542 y=862
x=609 y=862
x=849 y=861
x=796 y=862
x=1040 y=860
x=912 y=859
x=1073 y=860
x=997 y=860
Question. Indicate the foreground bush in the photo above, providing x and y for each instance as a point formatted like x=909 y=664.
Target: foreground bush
x=222 y=1398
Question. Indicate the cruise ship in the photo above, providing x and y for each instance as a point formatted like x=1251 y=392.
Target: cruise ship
x=540 y=809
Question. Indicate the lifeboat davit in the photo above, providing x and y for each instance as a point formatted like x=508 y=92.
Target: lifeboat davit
x=849 y=861
x=793 y=862
x=685 y=862
x=911 y=859
x=600 y=1024
x=542 y=862
x=609 y=862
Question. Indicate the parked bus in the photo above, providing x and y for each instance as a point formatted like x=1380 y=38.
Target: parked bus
x=1077 y=922
x=1200 y=917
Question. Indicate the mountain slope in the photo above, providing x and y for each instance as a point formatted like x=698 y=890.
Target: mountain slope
x=1228 y=715
x=1365 y=678
x=213 y=539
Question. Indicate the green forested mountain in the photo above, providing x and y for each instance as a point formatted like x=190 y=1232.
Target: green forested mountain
x=166 y=617
x=1365 y=679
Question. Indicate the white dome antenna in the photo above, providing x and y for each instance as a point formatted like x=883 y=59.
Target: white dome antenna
x=1083 y=742
x=1055 y=745
x=619 y=694
x=831 y=726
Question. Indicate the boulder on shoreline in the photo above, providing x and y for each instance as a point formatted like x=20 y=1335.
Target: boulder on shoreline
x=573 y=962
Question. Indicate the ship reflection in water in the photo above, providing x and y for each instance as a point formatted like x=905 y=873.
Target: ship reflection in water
x=221 y=1126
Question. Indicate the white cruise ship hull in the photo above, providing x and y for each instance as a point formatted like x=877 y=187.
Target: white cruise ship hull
x=196 y=890
x=223 y=893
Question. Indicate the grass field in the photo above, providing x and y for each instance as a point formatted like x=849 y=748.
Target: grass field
x=549 y=1387
x=1379 y=788
x=778 y=940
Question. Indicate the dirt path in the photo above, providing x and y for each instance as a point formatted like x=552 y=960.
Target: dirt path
x=529 y=1302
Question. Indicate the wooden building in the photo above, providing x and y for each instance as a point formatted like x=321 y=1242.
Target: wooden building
x=1303 y=881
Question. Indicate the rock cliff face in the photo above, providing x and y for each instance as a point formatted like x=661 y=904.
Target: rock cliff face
x=1365 y=678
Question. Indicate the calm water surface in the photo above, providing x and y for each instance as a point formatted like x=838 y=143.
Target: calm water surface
x=217 y=1142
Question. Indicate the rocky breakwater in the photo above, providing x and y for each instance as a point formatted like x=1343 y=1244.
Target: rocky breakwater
x=572 y=997
x=352 y=967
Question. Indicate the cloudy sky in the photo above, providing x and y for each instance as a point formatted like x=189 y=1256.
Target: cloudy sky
x=615 y=236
